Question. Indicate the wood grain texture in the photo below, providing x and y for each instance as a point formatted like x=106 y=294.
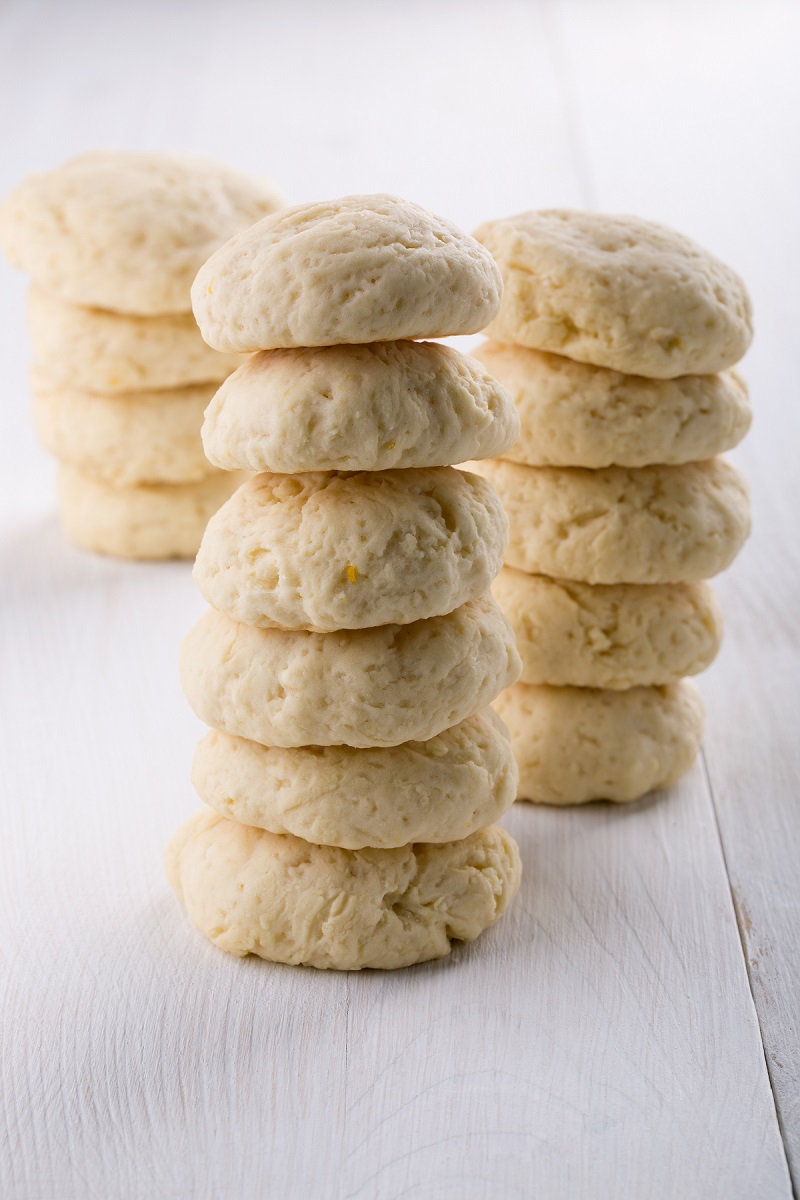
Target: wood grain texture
x=603 y=1040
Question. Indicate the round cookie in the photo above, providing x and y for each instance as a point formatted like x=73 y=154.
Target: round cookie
x=125 y=230
x=365 y=408
x=252 y=892
x=576 y=415
x=435 y=791
x=360 y=269
x=100 y=351
x=609 y=635
x=622 y=525
x=366 y=687
x=336 y=551
x=127 y=438
x=616 y=291
x=578 y=744
x=146 y=521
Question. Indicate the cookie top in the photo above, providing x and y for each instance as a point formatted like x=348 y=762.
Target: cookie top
x=609 y=635
x=358 y=408
x=252 y=892
x=622 y=525
x=109 y=352
x=616 y=291
x=125 y=230
x=128 y=438
x=360 y=269
x=576 y=415
x=334 y=551
x=365 y=687
x=578 y=744
x=435 y=791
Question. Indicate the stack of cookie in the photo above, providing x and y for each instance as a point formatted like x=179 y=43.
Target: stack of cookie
x=614 y=338
x=354 y=770
x=122 y=376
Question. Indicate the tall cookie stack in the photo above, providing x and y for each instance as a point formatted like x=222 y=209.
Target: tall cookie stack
x=354 y=770
x=614 y=337
x=122 y=375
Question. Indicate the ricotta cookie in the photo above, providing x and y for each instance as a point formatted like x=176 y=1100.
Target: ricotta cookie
x=145 y=521
x=127 y=438
x=609 y=635
x=360 y=269
x=622 y=525
x=283 y=899
x=100 y=351
x=127 y=230
x=575 y=415
x=579 y=744
x=367 y=687
x=336 y=551
x=618 y=292
x=365 y=408
x=435 y=791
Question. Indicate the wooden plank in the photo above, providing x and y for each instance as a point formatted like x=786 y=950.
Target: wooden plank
x=601 y=1038
x=610 y=1048
x=693 y=121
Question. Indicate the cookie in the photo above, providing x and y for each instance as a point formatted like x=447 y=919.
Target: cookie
x=435 y=791
x=579 y=744
x=365 y=408
x=576 y=415
x=100 y=351
x=618 y=292
x=367 y=687
x=283 y=899
x=609 y=635
x=127 y=438
x=145 y=521
x=125 y=230
x=336 y=551
x=360 y=269
x=622 y=525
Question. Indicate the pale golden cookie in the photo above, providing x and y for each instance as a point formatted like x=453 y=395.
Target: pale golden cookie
x=609 y=636
x=575 y=415
x=144 y=521
x=433 y=791
x=360 y=269
x=579 y=744
x=252 y=892
x=100 y=351
x=126 y=438
x=349 y=551
x=126 y=230
x=622 y=525
x=616 y=291
x=365 y=687
x=364 y=408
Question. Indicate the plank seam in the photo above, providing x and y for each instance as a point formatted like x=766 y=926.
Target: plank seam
x=578 y=142
x=793 y=1184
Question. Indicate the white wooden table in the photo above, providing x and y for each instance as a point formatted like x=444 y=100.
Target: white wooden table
x=630 y=1031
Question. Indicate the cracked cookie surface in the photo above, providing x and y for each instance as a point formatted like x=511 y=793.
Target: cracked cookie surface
x=360 y=269
x=331 y=551
x=286 y=900
x=671 y=524
x=616 y=291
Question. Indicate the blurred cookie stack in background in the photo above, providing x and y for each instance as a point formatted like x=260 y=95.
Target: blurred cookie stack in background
x=121 y=375
x=614 y=338
x=354 y=773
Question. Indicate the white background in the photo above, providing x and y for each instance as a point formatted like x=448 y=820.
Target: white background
x=631 y=1029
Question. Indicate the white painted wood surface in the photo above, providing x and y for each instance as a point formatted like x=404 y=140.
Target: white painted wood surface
x=606 y=1039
